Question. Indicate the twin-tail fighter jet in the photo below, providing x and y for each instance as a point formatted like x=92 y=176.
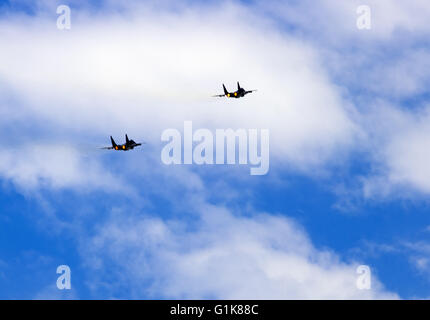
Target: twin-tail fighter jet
x=128 y=145
x=237 y=94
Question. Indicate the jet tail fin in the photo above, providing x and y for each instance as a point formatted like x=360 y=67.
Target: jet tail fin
x=126 y=139
x=113 y=142
x=225 y=90
x=238 y=86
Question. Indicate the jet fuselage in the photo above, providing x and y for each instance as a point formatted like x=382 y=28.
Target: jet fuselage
x=237 y=94
x=125 y=147
x=128 y=145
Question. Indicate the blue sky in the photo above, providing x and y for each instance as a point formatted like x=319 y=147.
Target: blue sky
x=349 y=122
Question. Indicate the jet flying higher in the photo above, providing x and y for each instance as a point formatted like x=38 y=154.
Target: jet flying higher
x=237 y=94
x=128 y=145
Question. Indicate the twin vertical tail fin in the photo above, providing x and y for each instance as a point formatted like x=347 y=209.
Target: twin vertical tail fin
x=126 y=140
x=238 y=86
x=225 y=90
x=113 y=142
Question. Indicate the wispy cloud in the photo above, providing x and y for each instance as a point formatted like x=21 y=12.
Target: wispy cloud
x=53 y=166
x=326 y=92
x=159 y=68
x=221 y=256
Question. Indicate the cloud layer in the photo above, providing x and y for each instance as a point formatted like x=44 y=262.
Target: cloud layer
x=221 y=256
x=325 y=91
x=157 y=69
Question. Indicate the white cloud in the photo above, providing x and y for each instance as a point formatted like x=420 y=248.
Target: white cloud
x=401 y=154
x=156 y=68
x=384 y=72
x=388 y=61
x=55 y=166
x=222 y=256
x=336 y=20
x=159 y=68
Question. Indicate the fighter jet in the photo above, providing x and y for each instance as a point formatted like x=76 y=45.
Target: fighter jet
x=237 y=94
x=128 y=145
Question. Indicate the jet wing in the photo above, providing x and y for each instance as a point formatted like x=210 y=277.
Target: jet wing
x=249 y=91
x=107 y=148
x=219 y=95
